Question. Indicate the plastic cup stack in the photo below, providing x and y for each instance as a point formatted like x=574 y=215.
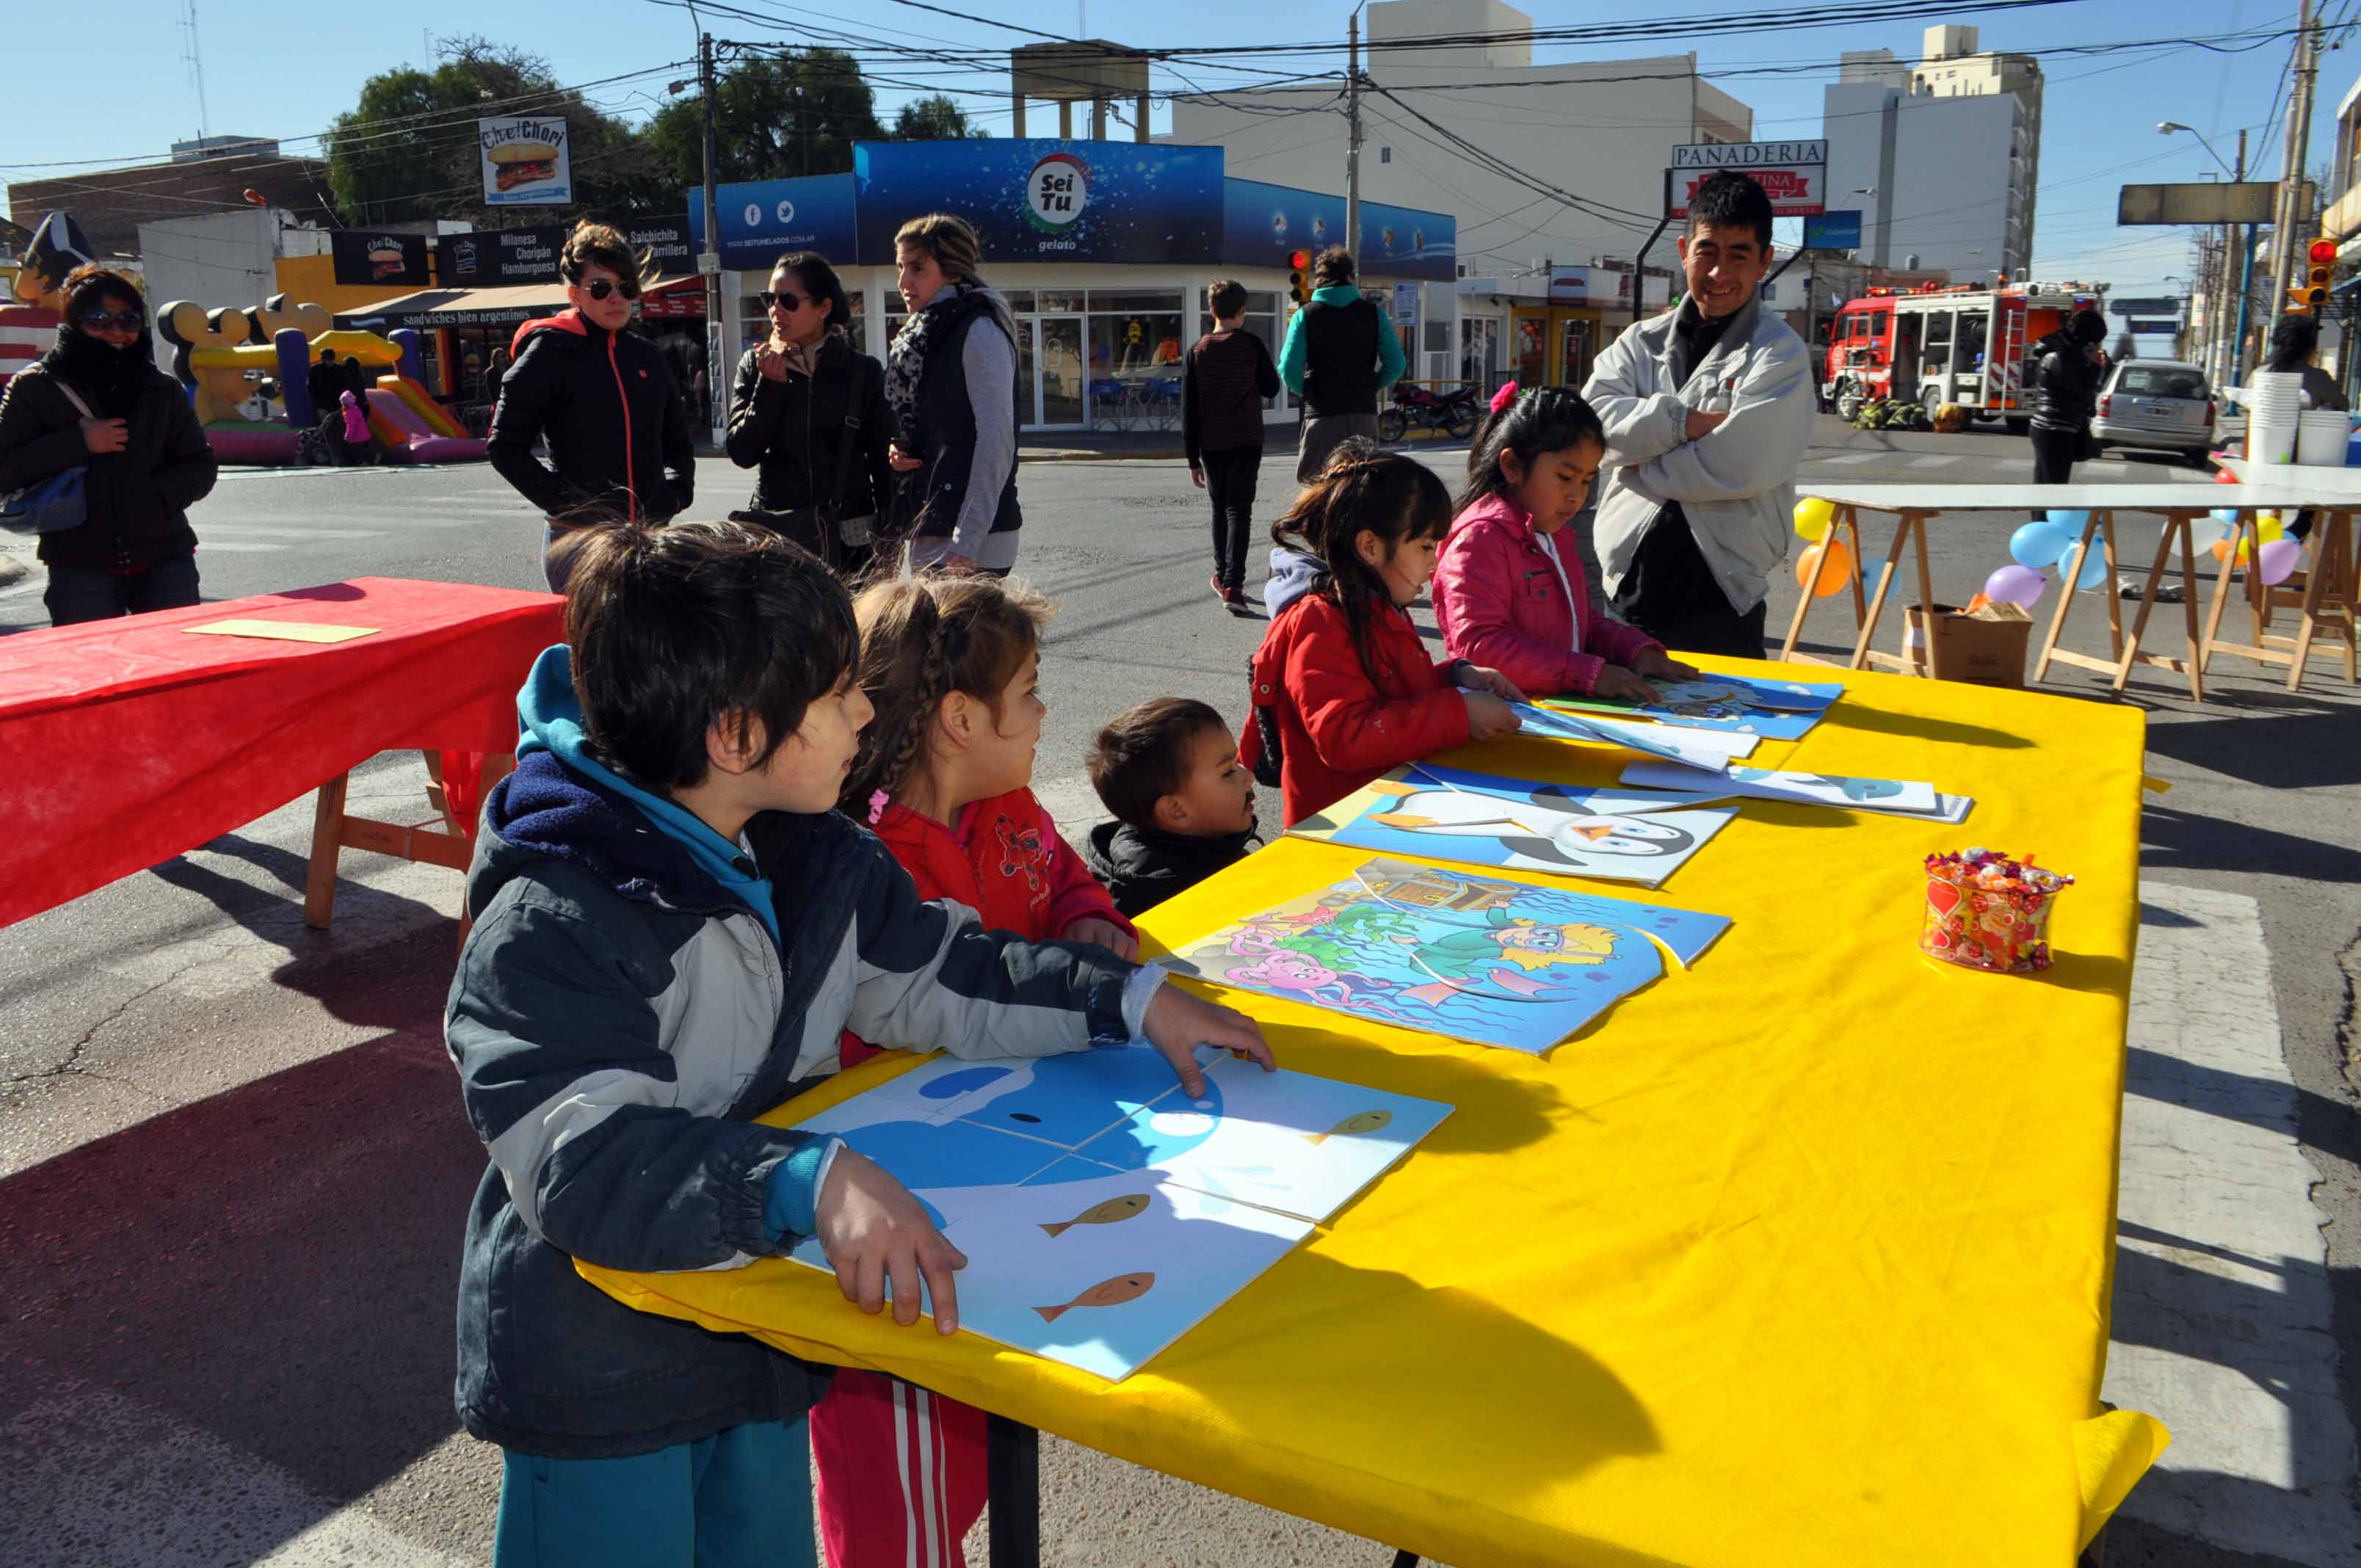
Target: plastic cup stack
x=2274 y=415
x=2321 y=437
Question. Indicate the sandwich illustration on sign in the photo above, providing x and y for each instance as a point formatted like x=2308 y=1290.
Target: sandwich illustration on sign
x=518 y=164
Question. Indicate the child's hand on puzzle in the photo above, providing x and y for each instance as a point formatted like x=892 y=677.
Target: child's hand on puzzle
x=1102 y=933
x=1616 y=684
x=1178 y=1022
x=875 y=1232
x=1656 y=664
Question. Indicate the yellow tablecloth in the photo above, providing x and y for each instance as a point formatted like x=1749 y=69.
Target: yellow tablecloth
x=1800 y=1257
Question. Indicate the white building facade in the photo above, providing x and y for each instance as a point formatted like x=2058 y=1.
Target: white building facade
x=1602 y=131
x=1942 y=158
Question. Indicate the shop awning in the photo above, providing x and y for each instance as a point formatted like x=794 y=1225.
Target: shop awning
x=424 y=310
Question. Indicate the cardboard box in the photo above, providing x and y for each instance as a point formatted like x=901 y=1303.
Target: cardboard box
x=1985 y=647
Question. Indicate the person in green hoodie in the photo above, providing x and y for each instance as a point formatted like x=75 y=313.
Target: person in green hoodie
x=1340 y=356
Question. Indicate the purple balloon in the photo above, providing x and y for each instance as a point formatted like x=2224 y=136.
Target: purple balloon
x=2278 y=559
x=2016 y=585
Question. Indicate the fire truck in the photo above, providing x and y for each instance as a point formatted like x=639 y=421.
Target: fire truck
x=1934 y=345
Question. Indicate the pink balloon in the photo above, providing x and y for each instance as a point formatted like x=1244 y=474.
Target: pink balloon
x=2279 y=559
x=2016 y=585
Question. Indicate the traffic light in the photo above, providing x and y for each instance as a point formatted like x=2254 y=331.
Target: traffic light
x=1299 y=288
x=2319 y=263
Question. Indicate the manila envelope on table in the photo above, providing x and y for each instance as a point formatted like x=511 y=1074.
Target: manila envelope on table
x=280 y=630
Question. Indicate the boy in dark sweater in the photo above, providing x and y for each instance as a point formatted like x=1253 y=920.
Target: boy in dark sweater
x=1169 y=771
x=1227 y=379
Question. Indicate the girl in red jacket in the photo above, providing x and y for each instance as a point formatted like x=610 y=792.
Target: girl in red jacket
x=1343 y=689
x=952 y=665
x=1510 y=592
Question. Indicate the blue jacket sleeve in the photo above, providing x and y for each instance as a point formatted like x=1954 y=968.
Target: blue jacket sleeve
x=1290 y=354
x=1391 y=361
x=563 y=1076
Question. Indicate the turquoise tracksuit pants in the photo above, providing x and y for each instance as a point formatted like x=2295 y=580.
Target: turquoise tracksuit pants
x=739 y=1500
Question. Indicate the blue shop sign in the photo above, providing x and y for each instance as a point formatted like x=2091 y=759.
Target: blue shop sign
x=1262 y=223
x=1035 y=200
x=763 y=219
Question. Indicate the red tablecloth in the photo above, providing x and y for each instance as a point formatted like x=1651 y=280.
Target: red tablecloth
x=126 y=742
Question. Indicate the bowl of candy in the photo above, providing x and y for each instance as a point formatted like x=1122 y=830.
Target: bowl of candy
x=1987 y=911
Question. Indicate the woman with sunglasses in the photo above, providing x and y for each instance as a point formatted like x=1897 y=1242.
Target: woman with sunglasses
x=808 y=413
x=96 y=399
x=619 y=442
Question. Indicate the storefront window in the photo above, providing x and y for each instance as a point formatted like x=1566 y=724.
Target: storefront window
x=1136 y=345
x=1532 y=349
x=1479 y=352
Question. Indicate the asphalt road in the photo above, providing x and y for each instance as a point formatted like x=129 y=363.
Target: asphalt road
x=232 y=1169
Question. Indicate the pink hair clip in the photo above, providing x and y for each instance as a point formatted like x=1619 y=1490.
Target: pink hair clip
x=877 y=806
x=1504 y=397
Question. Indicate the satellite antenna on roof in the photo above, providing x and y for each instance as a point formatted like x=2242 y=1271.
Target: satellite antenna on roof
x=195 y=57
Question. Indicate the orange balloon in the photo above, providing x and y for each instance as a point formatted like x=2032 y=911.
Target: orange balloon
x=1824 y=569
x=2222 y=550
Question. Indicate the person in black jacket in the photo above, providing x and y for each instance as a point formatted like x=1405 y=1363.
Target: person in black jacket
x=1226 y=381
x=323 y=381
x=619 y=442
x=2061 y=393
x=1340 y=355
x=148 y=458
x=809 y=413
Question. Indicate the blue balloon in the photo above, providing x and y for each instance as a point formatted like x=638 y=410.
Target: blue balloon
x=2093 y=569
x=2036 y=544
x=2226 y=516
x=2073 y=521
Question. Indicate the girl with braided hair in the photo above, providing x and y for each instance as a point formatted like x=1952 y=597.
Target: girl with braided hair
x=952 y=665
x=1343 y=689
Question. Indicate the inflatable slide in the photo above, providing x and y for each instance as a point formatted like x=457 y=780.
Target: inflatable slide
x=414 y=428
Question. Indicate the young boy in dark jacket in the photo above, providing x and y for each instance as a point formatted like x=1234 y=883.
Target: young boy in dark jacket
x=672 y=930
x=1184 y=803
x=1226 y=381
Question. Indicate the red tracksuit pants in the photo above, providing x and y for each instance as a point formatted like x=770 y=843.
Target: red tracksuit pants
x=901 y=1471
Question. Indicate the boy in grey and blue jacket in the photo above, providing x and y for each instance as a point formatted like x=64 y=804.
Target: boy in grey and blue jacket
x=672 y=930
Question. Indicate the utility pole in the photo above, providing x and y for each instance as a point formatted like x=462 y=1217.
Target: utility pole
x=709 y=261
x=2227 y=338
x=2299 y=135
x=1352 y=136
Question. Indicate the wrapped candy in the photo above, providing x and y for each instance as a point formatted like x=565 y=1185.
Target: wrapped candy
x=1988 y=912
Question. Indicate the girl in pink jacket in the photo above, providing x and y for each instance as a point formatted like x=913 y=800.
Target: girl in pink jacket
x=1507 y=594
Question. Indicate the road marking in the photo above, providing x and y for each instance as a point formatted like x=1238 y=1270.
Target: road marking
x=2221 y=1311
x=96 y=1477
x=259 y=530
x=1936 y=460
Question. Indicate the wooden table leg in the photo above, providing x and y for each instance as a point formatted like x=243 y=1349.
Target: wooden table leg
x=1860 y=602
x=2106 y=519
x=327 y=840
x=1013 y=1479
x=2064 y=599
x=2222 y=593
x=1877 y=596
x=1918 y=527
x=2129 y=654
x=2327 y=574
x=2196 y=654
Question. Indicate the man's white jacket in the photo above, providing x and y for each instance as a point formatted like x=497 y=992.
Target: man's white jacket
x=1736 y=484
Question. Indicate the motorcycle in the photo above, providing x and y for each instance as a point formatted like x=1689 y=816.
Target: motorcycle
x=1452 y=412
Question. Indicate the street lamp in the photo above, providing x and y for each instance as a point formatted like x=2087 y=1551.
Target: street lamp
x=2167 y=127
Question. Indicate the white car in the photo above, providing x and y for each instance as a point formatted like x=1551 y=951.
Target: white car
x=2159 y=403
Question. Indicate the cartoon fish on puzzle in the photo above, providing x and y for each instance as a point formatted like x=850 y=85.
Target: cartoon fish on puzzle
x=1111 y=1211
x=1105 y=1293
x=1367 y=1122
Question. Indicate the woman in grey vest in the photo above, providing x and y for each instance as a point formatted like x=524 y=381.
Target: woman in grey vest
x=1340 y=356
x=950 y=377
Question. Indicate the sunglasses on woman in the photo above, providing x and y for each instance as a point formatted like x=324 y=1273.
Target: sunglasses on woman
x=600 y=288
x=774 y=300
x=99 y=319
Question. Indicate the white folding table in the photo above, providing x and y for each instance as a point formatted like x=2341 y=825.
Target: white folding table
x=2180 y=504
x=2324 y=598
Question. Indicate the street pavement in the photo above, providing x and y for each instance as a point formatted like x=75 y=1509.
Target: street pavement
x=233 y=1170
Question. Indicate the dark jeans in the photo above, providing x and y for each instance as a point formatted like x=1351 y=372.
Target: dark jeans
x=2054 y=452
x=1230 y=484
x=77 y=594
x=1669 y=592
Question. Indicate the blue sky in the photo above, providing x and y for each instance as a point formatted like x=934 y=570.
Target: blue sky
x=283 y=69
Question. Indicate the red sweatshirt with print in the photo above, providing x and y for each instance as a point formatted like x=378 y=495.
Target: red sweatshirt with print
x=1002 y=858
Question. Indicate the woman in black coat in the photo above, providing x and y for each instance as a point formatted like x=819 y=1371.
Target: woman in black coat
x=808 y=413
x=148 y=458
